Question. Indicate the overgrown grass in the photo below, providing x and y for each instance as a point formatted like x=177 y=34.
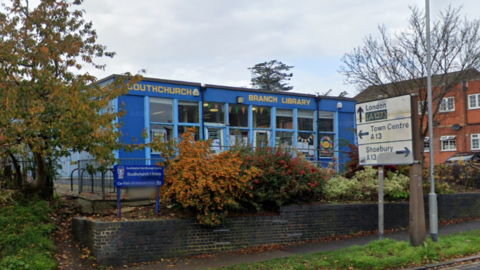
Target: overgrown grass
x=384 y=254
x=24 y=237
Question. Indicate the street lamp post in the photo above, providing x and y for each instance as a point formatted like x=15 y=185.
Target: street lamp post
x=432 y=197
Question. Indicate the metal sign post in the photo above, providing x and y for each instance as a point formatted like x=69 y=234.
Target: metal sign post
x=126 y=176
x=381 y=231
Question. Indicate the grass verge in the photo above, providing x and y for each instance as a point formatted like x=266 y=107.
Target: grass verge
x=24 y=237
x=384 y=254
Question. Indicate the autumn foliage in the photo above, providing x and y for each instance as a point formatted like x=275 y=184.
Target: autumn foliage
x=213 y=186
x=210 y=185
x=50 y=104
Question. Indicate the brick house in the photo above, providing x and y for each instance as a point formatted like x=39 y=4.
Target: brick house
x=457 y=122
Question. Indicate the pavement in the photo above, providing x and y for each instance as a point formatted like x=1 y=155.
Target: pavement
x=213 y=261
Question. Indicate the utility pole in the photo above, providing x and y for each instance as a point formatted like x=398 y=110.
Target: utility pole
x=432 y=197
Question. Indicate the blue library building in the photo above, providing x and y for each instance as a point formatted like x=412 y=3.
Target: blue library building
x=319 y=127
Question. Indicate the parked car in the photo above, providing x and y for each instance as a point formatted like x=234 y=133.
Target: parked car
x=473 y=157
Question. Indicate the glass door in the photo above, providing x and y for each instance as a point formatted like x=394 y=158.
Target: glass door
x=261 y=138
x=216 y=135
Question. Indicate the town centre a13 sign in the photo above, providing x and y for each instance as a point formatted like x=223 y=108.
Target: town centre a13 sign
x=384 y=131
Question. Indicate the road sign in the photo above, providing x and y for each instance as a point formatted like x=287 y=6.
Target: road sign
x=384 y=131
x=126 y=176
x=138 y=175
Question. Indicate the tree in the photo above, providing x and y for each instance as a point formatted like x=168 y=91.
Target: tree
x=397 y=64
x=270 y=76
x=46 y=108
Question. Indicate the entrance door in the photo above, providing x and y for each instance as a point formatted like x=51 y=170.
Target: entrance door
x=261 y=138
x=216 y=134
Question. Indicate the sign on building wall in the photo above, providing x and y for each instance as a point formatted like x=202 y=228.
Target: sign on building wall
x=384 y=131
x=126 y=176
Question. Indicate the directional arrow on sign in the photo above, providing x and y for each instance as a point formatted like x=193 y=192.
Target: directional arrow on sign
x=406 y=152
x=360 y=112
x=360 y=134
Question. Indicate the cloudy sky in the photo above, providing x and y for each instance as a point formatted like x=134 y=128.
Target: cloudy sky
x=215 y=41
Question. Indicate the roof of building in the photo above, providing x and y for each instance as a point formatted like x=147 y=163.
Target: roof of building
x=411 y=86
x=227 y=87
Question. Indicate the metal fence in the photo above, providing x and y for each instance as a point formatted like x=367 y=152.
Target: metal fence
x=10 y=178
x=91 y=177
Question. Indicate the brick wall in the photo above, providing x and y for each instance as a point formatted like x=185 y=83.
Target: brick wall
x=116 y=243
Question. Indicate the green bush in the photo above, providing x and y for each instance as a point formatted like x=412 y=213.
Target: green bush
x=285 y=179
x=24 y=240
x=364 y=186
x=341 y=189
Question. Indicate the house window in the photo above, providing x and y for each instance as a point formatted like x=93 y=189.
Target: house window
x=474 y=101
x=426 y=144
x=475 y=140
x=448 y=143
x=422 y=105
x=447 y=104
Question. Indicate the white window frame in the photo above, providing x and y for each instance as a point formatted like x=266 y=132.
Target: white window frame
x=448 y=143
x=444 y=105
x=476 y=100
x=426 y=144
x=420 y=104
x=475 y=137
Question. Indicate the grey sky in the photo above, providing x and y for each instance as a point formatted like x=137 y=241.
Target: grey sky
x=215 y=41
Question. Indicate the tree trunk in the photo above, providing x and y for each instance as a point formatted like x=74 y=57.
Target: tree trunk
x=41 y=175
x=18 y=172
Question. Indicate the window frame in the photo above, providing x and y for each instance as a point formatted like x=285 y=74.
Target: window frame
x=472 y=139
x=477 y=102
x=330 y=118
x=447 y=141
x=444 y=105
x=310 y=117
x=285 y=114
x=165 y=101
x=420 y=105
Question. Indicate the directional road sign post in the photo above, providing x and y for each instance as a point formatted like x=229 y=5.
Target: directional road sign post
x=385 y=135
x=384 y=131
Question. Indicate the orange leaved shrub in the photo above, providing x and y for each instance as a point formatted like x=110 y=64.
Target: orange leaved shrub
x=210 y=185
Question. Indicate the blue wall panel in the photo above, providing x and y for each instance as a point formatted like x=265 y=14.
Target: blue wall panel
x=346 y=134
x=331 y=105
x=133 y=123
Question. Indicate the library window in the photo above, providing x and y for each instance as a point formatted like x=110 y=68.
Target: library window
x=161 y=110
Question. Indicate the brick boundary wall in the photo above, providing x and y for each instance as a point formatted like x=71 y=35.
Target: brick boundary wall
x=125 y=242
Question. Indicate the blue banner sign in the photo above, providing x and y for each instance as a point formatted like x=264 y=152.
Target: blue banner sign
x=138 y=175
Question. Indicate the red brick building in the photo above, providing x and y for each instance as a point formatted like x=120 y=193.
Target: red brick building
x=457 y=122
